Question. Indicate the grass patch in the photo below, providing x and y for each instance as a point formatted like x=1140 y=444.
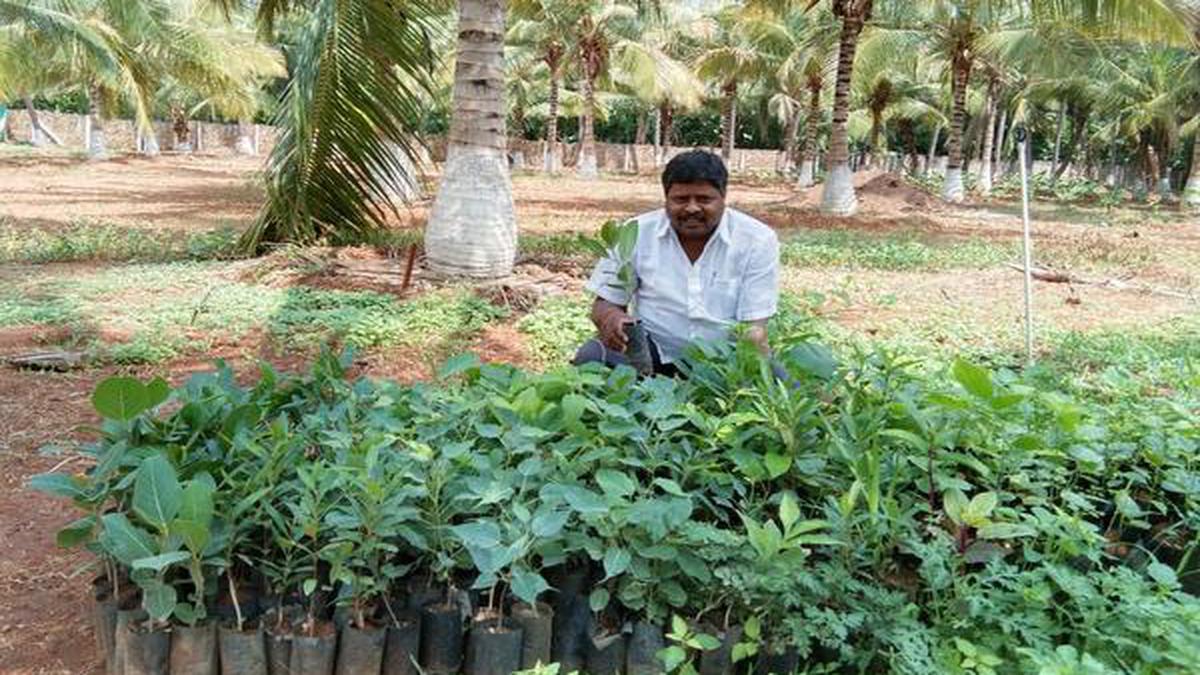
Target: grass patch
x=442 y=321
x=94 y=240
x=32 y=310
x=556 y=328
x=836 y=248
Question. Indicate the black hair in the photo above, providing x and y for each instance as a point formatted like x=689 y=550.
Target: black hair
x=695 y=166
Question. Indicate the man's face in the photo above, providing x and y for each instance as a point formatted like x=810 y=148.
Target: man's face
x=695 y=209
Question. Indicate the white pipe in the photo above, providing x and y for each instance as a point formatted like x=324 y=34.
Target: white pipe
x=1023 y=148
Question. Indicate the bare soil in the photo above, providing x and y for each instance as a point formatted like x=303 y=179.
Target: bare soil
x=44 y=625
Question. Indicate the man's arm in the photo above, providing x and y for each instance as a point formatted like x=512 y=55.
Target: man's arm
x=610 y=319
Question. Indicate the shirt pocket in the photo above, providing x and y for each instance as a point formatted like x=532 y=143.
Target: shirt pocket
x=721 y=298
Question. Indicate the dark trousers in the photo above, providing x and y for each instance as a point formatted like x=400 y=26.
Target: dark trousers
x=595 y=351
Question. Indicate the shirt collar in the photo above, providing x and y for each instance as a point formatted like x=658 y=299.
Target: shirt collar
x=723 y=227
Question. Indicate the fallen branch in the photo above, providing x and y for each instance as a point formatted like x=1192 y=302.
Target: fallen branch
x=1056 y=277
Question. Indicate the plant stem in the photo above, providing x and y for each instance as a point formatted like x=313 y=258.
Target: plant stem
x=237 y=608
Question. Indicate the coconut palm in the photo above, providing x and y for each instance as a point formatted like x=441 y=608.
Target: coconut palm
x=472 y=228
x=735 y=55
x=600 y=27
x=545 y=26
x=838 y=197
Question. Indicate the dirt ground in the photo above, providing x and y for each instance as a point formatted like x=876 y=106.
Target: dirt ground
x=44 y=626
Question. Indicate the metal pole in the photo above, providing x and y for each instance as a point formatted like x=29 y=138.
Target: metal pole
x=1023 y=149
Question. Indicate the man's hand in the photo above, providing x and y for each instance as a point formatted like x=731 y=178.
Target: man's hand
x=756 y=332
x=610 y=320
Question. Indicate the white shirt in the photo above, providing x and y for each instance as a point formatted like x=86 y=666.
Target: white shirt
x=735 y=279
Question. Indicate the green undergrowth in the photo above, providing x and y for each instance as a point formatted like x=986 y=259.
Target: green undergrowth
x=436 y=321
x=86 y=240
x=880 y=512
x=555 y=329
x=151 y=313
x=839 y=248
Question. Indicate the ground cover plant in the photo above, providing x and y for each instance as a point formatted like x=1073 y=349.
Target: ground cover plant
x=882 y=514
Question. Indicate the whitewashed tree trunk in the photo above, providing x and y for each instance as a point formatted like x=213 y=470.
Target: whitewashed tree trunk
x=952 y=189
x=551 y=156
x=97 y=144
x=38 y=134
x=586 y=166
x=472 y=228
x=929 y=166
x=985 y=160
x=1191 y=190
x=245 y=142
x=1001 y=133
x=1062 y=118
x=838 y=198
x=150 y=142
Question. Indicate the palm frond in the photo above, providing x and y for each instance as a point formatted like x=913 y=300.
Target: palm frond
x=361 y=72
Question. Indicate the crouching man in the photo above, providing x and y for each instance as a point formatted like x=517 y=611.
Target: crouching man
x=701 y=269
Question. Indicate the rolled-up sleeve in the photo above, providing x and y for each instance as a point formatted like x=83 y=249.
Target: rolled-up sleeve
x=604 y=282
x=759 y=297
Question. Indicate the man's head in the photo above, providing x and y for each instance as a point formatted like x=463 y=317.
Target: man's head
x=694 y=184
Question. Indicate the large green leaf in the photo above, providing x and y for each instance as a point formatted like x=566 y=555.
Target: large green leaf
x=159 y=599
x=480 y=534
x=59 y=485
x=157 y=495
x=160 y=562
x=973 y=378
x=527 y=584
x=77 y=532
x=123 y=540
x=124 y=398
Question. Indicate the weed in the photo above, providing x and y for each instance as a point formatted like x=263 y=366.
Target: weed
x=556 y=328
x=97 y=240
x=824 y=248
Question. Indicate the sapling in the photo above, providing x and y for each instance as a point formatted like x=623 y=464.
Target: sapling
x=618 y=242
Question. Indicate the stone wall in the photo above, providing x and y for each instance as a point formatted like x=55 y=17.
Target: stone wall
x=121 y=135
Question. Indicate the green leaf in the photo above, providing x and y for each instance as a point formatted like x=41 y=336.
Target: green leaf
x=955 y=503
x=976 y=380
x=672 y=657
x=753 y=628
x=156 y=492
x=158 y=599
x=671 y=487
x=457 y=365
x=309 y=586
x=708 y=642
x=679 y=627
x=547 y=524
x=615 y=483
x=616 y=561
x=479 y=534
x=777 y=465
x=123 y=540
x=161 y=561
x=195 y=535
x=1162 y=574
x=196 y=503
x=124 y=398
x=789 y=513
x=813 y=359
x=77 y=532
x=59 y=485
x=980 y=508
x=598 y=599
x=1006 y=531
x=584 y=500
x=527 y=584
x=573 y=407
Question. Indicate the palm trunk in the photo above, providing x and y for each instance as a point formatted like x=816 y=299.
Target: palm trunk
x=179 y=124
x=838 y=197
x=1001 y=132
x=1191 y=190
x=985 y=160
x=38 y=134
x=1062 y=118
x=552 y=158
x=97 y=144
x=952 y=189
x=150 y=142
x=791 y=138
x=586 y=167
x=937 y=131
x=728 y=120
x=872 y=159
x=639 y=139
x=472 y=229
x=808 y=151
x=666 y=114
x=245 y=144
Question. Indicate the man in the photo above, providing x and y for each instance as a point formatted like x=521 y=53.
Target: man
x=701 y=269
